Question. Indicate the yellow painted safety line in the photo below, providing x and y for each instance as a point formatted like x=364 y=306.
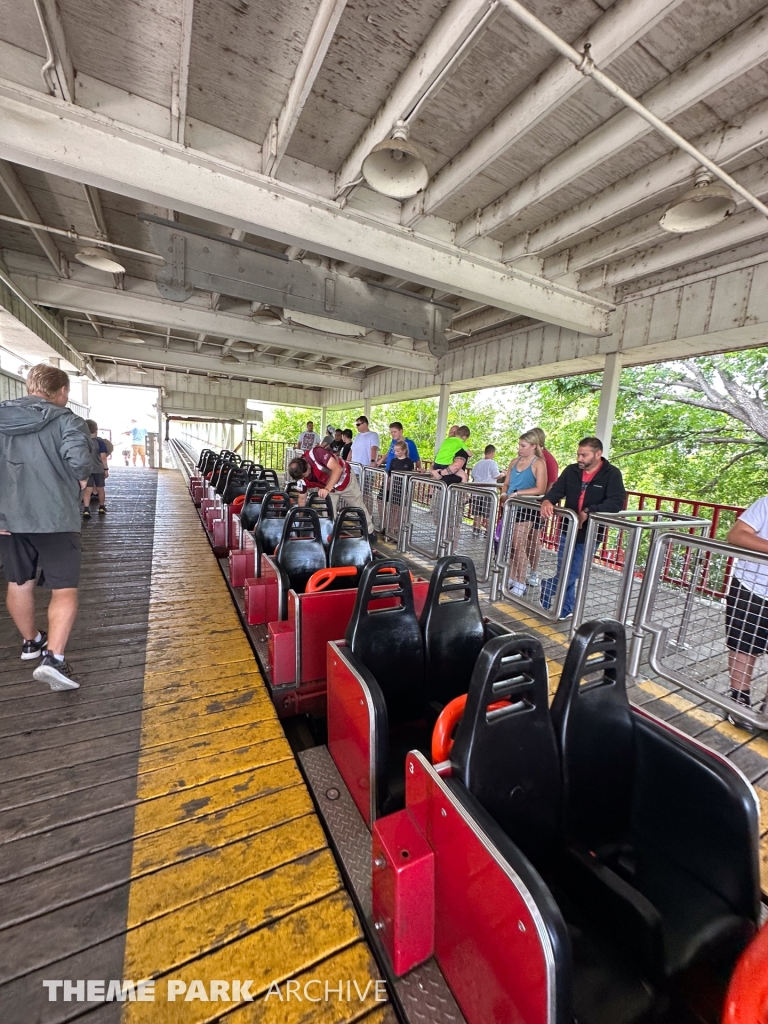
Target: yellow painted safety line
x=231 y=875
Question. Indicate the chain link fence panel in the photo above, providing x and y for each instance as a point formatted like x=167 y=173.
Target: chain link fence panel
x=470 y=523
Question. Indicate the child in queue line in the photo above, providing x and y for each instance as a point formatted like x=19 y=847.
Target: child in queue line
x=486 y=472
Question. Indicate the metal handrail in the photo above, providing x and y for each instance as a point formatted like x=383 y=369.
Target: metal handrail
x=374 y=484
x=660 y=632
x=457 y=500
x=567 y=526
x=636 y=522
x=406 y=535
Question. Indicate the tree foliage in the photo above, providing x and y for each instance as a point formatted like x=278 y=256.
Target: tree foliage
x=692 y=429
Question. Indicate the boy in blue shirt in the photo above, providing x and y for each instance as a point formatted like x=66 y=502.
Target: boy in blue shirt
x=396 y=431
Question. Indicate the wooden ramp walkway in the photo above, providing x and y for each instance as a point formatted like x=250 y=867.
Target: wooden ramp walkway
x=154 y=823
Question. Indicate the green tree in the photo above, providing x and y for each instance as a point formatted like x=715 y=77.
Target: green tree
x=284 y=423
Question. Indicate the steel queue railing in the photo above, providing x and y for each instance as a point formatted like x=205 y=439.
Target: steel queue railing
x=621 y=544
x=534 y=556
x=708 y=623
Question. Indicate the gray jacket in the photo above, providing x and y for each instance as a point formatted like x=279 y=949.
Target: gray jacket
x=44 y=451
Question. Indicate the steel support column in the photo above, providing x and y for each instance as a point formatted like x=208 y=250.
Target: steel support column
x=608 y=395
x=442 y=416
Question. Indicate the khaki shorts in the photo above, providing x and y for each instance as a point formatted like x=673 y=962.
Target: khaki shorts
x=138 y=449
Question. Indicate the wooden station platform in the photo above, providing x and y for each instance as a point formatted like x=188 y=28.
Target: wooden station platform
x=154 y=823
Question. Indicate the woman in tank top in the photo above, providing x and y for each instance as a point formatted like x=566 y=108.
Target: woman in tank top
x=526 y=475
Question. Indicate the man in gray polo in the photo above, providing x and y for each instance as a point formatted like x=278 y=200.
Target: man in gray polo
x=45 y=461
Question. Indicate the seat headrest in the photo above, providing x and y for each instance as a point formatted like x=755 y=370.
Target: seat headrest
x=387 y=640
x=323 y=506
x=453 y=627
x=595 y=732
x=349 y=541
x=300 y=551
x=507 y=757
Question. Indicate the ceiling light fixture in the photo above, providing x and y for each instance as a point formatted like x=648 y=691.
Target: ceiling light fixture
x=100 y=259
x=707 y=204
x=229 y=358
x=142 y=371
x=267 y=316
x=396 y=167
x=131 y=339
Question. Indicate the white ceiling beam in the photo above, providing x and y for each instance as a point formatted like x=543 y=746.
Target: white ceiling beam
x=180 y=90
x=449 y=41
x=644 y=231
x=744 y=133
x=137 y=303
x=12 y=186
x=184 y=382
x=737 y=230
x=42 y=132
x=312 y=56
x=727 y=59
x=613 y=33
x=262 y=368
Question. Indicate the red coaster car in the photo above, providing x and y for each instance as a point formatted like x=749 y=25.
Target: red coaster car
x=587 y=864
x=393 y=674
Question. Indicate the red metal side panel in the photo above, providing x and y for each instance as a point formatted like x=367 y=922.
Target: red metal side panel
x=403 y=891
x=324 y=616
x=349 y=729
x=486 y=939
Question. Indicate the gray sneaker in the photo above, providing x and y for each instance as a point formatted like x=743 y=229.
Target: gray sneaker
x=533 y=579
x=56 y=673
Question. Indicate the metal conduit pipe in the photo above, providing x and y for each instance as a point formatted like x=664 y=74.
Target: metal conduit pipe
x=584 y=63
x=75 y=237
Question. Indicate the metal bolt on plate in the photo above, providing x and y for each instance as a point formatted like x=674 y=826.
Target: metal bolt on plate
x=332 y=793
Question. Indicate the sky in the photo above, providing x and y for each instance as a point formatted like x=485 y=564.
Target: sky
x=113 y=407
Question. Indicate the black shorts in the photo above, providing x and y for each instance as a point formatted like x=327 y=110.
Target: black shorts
x=746 y=620
x=57 y=555
x=95 y=480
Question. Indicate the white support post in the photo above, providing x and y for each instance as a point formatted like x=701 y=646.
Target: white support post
x=245 y=428
x=442 y=416
x=323 y=419
x=367 y=409
x=608 y=395
x=159 y=430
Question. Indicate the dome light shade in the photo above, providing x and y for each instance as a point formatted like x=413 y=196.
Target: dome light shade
x=131 y=339
x=267 y=316
x=100 y=259
x=396 y=167
x=229 y=358
x=707 y=204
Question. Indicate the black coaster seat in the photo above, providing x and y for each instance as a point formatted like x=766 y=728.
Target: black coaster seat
x=273 y=509
x=453 y=628
x=654 y=810
x=324 y=509
x=349 y=544
x=300 y=552
x=506 y=772
x=387 y=650
x=236 y=483
x=256 y=490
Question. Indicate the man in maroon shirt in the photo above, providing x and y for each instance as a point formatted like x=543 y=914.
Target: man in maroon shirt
x=331 y=475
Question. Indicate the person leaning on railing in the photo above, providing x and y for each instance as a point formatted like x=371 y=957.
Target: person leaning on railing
x=526 y=476
x=590 y=485
x=746 y=615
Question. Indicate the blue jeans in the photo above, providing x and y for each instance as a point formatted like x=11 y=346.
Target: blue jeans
x=549 y=586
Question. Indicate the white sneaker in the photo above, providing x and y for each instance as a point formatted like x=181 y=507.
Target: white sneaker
x=518 y=589
x=56 y=673
x=533 y=579
x=564 y=618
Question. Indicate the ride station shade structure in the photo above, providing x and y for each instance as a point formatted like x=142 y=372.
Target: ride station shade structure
x=331 y=205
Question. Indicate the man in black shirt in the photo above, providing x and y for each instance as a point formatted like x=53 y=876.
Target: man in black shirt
x=590 y=485
x=337 y=442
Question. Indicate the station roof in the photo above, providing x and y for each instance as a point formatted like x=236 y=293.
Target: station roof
x=239 y=128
